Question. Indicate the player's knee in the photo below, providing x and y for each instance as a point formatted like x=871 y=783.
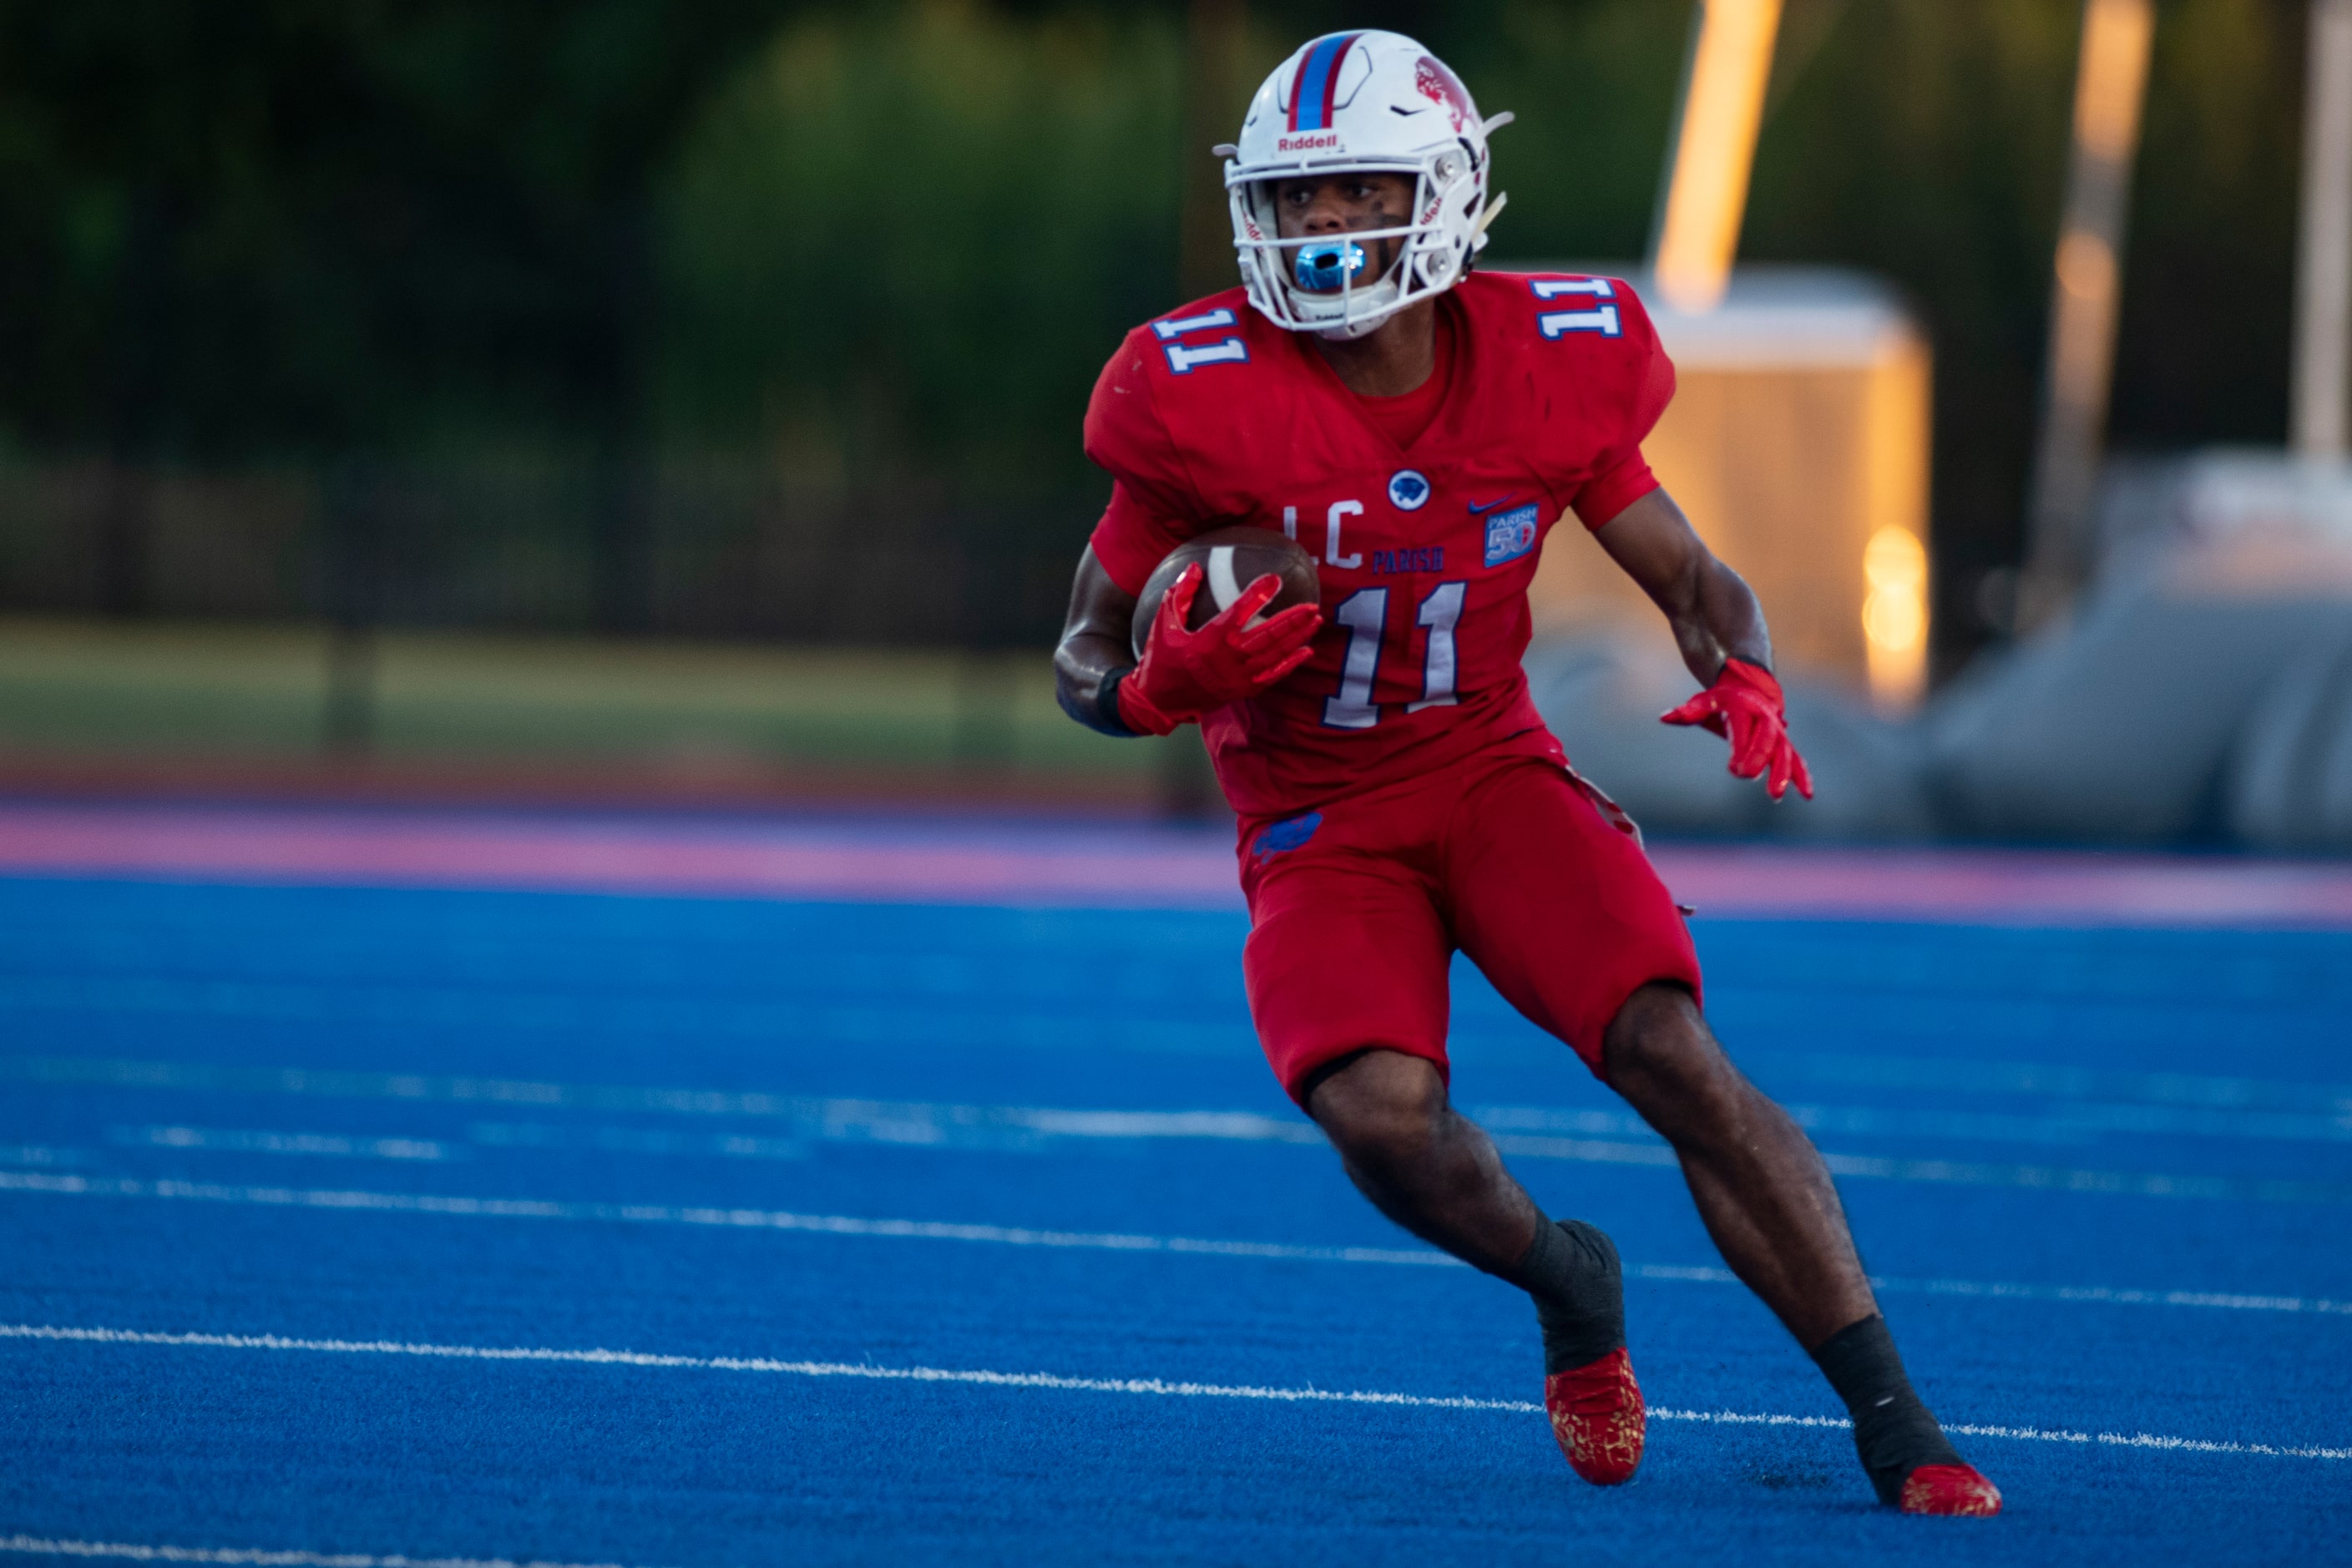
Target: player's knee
x=1659 y=1044
x=1382 y=1109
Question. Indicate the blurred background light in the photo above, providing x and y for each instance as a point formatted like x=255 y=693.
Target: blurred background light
x=1715 y=146
x=1895 y=617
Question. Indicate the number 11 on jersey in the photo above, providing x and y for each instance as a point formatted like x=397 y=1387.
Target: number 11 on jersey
x=1365 y=614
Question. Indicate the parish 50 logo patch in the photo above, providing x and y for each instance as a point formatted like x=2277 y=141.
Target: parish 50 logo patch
x=1510 y=534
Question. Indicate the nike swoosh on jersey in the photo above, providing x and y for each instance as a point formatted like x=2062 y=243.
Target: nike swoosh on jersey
x=1478 y=507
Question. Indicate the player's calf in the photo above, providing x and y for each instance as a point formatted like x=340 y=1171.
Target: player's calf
x=1420 y=1161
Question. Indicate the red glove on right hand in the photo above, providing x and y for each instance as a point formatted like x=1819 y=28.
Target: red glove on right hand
x=1185 y=674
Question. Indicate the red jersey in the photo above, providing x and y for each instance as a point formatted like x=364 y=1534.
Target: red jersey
x=1213 y=416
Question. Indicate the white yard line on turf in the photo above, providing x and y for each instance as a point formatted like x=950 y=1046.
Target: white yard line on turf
x=1052 y=1381
x=257 y=1558
x=736 y=1219
x=1101 y=1241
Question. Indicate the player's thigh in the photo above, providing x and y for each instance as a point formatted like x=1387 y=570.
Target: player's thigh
x=1558 y=908
x=1344 y=953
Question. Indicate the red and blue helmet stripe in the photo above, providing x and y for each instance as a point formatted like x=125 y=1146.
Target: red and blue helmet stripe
x=1318 y=82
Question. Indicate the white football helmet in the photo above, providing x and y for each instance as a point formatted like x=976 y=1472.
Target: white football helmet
x=1369 y=102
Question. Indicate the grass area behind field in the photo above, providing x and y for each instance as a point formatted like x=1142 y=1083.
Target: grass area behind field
x=95 y=692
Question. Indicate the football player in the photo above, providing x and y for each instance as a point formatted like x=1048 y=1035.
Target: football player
x=1420 y=427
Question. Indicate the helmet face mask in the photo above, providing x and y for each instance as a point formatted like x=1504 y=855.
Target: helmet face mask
x=1359 y=259
x=1358 y=103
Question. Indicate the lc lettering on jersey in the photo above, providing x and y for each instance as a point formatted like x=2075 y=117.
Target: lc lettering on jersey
x=1555 y=323
x=1332 y=556
x=1182 y=357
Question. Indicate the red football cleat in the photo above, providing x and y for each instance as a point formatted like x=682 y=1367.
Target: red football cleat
x=1597 y=1414
x=1950 y=1490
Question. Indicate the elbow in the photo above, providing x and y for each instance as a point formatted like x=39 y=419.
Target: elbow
x=1072 y=703
x=1072 y=689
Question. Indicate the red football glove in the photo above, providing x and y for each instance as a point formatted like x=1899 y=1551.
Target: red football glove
x=1745 y=705
x=1186 y=674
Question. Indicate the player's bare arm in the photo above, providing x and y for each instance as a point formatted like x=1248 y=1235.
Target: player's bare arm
x=1720 y=626
x=1094 y=644
x=1714 y=613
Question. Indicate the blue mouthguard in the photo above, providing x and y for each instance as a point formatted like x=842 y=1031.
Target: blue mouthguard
x=1324 y=266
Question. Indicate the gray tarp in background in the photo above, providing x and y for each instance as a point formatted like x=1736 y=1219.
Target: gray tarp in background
x=2290 y=777
x=2201 y=691
x=1602 y=698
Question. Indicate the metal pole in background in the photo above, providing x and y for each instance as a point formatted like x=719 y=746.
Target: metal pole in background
x=1714 y=150
x=2111 y=85
x=2322 y=302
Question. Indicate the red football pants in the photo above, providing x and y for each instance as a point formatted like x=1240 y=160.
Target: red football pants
x=1356 y=912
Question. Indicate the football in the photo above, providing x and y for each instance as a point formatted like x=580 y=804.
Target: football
x=1232 y=558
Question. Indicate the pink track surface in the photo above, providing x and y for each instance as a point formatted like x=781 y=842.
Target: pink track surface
x=952 y=860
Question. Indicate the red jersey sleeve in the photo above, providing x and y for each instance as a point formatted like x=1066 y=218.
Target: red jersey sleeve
x=1154 y=505
x=1622 y=477
x=1131 y=538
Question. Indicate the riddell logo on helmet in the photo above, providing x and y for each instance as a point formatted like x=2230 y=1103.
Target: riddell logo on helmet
x=1316 y=142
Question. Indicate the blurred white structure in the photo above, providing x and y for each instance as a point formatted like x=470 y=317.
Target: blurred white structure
x=2201 y=691
x=2203 y=688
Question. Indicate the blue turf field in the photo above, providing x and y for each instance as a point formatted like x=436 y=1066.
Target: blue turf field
x=373 y=1121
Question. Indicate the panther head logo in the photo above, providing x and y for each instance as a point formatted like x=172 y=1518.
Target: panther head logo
x=1442 y=87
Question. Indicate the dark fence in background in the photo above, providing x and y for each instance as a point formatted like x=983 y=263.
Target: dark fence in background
x=705 y=551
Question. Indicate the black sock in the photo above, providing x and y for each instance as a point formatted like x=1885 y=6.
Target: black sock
x=1571 y=1270
x=1892 y=1430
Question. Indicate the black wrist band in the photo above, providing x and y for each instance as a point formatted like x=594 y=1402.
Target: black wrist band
x=1106 y=703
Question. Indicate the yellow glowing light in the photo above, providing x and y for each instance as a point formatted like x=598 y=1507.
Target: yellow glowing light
x=1896 y=621
x=1894 y=561
x=1714 y=150
x=1895 y=617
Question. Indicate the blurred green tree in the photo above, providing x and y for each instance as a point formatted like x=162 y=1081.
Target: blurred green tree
x=296 y=225
x=904 y=240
